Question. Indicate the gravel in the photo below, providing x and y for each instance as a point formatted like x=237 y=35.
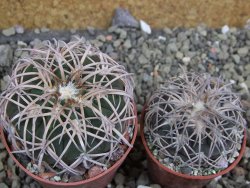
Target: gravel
x=152 y=58
x=9 y=32
x=123 y=18
x=6 y=55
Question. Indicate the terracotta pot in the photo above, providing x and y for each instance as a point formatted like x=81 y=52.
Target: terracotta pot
x=99 y=181
x=171 y=179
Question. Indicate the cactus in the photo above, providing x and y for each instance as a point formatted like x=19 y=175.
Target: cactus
x=194 y=124
x=68 y=107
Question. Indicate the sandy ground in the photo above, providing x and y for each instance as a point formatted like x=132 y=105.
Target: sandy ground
x=68 y=14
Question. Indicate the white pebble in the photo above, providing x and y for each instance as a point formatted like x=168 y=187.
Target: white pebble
x=145 y=27
x=225 y=29
x=162 y=38
x=186 y=59
x=232 y=81
x=217 y=178
x=244 y=86
x=143 y=186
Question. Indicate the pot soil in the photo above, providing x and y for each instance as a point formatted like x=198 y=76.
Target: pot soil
x=171 y=179
x=99 y=181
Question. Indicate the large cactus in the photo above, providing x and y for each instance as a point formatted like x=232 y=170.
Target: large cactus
x=194 y=124
x=68 y=106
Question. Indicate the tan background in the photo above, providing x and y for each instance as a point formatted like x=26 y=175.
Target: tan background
x=61 y=14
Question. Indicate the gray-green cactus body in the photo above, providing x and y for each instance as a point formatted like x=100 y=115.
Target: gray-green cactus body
x=68 y=105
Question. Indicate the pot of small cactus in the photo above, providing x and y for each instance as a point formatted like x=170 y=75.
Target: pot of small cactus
x=68 y=117
x=192 y=130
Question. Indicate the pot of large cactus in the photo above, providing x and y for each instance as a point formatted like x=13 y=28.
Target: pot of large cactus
x=68 y=117
x=192 y=130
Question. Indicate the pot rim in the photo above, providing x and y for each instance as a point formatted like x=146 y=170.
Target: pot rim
x=208 y=177
x=48 y=182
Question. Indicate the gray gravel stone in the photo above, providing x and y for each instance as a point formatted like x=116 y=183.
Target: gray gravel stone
x=16 y=184
x=1 y=166
x=243 y=51
x=143 y=186
x=119 y=178
x=117 y=43
x=2 y=175
x=127 y=44
x=142 y=59
x=28 y=180
x=123 y=18
x=179 y=55
x=9 y=31
x=19 y=29
x=119 y=186
x=143 y=179
x=91 y=30
x=172 y=47
x=155 y=186
x=25 y=186
x=3 y=185
x=236 y=58
x=44 y=29
x=6 y=55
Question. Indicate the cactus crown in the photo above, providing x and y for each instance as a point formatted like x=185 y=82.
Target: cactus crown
x=68 y=106
x=194 y=124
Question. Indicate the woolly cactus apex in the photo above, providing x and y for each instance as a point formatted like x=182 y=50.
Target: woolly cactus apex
x=69 y=106
x=194 y=123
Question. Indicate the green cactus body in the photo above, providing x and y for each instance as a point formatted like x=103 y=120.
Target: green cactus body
x=195 y=123
x=68 y=105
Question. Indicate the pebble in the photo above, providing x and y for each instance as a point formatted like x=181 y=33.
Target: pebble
x=143 y=186
x=1 y=145
x=225 y=29
x=119 y=186
x=186 y=60
x=127 y=44
x=91 y=30
x=143 y=179
x=15 y=184
x=6 y=55
x=44 y=30
x=142 y=59
x=155 y=186
x=76 y=178
x=28 y=180
x=37 y=31
x=123 y=18
x=9 y=32
x=117 y=43
x=242 y=51
x=94 y=171
x=172 y=47
x=2 y=175
x=236 y=58
x=3 y=185
x=119 y=178
x=19 y=29
x=1 y=166
x=145 y=27
x=179 y=55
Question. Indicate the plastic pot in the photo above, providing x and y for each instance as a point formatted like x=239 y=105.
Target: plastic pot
x=99 y=181
x=171 y=179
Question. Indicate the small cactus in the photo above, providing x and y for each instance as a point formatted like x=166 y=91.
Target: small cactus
x=68 y=106
x=195 y=122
